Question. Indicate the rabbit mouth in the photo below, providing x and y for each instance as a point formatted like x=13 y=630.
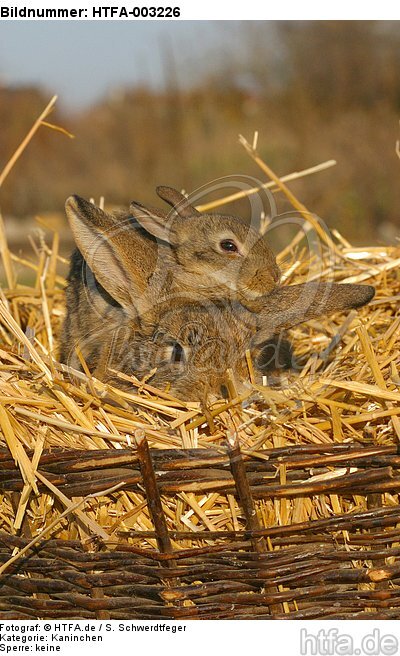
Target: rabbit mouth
x=250 y=294
x=254 y=293
x=257 y=286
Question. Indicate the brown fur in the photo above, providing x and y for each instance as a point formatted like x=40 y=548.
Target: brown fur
x=213 y=337
x=180 y=309
x=188 y=349
x=126 y=264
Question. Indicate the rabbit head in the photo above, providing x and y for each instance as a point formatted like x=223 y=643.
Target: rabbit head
x=188 y=350
x=190 y=346
x=143 y=256
x=214 y=250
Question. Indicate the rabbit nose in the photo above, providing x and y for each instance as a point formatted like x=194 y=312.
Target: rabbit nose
x=273 y=273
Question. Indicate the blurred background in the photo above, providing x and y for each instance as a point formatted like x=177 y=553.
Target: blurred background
x=163 y=103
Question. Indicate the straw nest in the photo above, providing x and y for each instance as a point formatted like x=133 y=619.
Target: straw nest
x=149 y=476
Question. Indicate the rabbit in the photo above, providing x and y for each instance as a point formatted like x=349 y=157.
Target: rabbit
x=117 y=299
x=127 y=263
x=188 y=347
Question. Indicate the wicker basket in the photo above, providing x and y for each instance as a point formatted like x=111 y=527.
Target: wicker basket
x=343 y=567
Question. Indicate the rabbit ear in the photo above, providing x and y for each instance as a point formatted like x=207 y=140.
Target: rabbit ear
x=108 y=247
x=153 y=221
x=289 y=306
x=178 y=201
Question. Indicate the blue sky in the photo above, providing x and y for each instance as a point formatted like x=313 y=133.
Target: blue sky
x=81 y=61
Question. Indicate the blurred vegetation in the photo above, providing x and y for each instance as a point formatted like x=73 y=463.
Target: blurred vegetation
x=314 y=91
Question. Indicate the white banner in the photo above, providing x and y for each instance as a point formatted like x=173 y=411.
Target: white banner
x=134 y=10
x=100 y=638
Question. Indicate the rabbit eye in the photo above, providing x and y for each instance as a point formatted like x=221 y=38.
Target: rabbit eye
x=177 y=354
x=229 y=246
